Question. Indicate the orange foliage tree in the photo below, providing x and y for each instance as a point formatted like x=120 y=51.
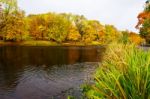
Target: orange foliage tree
x=135 y=38
x=144 y=22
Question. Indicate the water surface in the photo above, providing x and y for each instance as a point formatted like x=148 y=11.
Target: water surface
x=46 y=72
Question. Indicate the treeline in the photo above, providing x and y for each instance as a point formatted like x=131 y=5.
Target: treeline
x=15 y=26
x=54 y=27
x=63 y=27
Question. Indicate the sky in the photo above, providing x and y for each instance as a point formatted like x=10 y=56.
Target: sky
x=121 y=13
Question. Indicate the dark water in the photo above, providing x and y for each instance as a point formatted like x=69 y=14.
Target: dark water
x=45 y=72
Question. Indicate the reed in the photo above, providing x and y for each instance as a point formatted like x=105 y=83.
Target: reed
x=123 y=74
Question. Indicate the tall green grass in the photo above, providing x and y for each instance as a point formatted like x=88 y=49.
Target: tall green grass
x=123 y=74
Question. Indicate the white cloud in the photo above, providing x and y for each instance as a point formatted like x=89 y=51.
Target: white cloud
x=121 y=13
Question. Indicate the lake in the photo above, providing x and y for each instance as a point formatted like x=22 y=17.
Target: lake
x=46 y=72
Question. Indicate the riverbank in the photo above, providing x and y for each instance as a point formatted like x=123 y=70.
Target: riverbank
x=47 y=43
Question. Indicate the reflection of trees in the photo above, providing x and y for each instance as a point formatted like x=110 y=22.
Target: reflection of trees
x=14 y=60
x=73 y=55
x=40 y=56
x=37 y=56
x=84 y=54
x=89 y=54
x=10 y=66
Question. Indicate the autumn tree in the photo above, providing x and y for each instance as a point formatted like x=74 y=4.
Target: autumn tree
x=14 y=28
x=98 y=29
x=38 y=26
x=73 y=34
x=79 y=21
x=144 y=22
x=9 y=6
x=111 y=33
x=135 y=38
x=90 y=31
x=58 y=28
x=12 y=25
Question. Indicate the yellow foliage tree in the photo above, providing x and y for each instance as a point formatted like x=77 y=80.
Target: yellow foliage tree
x=73 y=34
x=14 y=27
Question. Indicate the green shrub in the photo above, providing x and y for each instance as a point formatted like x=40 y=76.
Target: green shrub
x=124 y=74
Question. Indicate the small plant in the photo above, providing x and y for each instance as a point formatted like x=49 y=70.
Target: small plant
x=124 y=74
x=70 y=97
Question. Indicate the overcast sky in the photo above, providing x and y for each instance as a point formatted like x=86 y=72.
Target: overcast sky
x=121 y=13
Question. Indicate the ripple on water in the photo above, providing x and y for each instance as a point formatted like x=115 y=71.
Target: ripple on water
x=45 y=72
x=36 y=82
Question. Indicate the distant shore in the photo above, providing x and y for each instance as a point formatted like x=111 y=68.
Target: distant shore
x=47 y=43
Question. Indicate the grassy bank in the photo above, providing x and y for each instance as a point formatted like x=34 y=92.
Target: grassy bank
x=48 y=43
x=124 y=74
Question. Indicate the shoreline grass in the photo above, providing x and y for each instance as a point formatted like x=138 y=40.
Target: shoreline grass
x=124 y=74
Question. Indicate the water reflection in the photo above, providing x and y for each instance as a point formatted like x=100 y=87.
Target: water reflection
x=42 y=72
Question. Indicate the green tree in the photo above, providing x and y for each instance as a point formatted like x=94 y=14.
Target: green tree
x=124 y=37
x=58 y=28
x=145 y=30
